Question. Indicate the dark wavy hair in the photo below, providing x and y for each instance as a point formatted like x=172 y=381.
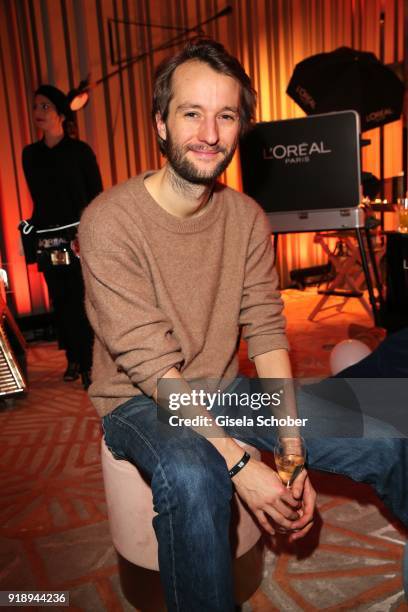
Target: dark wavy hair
x=214 y=54
x=61 y=103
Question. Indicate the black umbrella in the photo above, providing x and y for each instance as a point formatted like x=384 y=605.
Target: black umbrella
x=348 y=79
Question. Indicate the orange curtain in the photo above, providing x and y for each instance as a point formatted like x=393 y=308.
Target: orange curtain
x=60 y=42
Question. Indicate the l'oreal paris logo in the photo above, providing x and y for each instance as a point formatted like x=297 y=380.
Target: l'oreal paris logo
x=305 y=97
x=295 y=153
x=379 y=115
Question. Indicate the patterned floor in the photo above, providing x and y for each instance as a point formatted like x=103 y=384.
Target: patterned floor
x=54 y=533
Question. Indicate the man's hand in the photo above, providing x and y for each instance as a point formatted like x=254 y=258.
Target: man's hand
x=302 y=490
x=261 y=489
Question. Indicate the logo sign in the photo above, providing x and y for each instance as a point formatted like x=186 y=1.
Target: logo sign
x=310 y=163
x=296 y=153
x=305 y=97
x=379 y=115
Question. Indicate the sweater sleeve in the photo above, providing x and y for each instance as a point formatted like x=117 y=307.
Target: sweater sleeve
x=261 y=303
x=122 y=309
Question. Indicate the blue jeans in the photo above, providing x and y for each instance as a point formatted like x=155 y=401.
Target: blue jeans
x=192 y=489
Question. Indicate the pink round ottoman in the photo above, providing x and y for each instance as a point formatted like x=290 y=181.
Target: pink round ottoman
x=130 y=512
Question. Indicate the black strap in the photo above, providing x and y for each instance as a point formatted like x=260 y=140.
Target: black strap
x=238 y=466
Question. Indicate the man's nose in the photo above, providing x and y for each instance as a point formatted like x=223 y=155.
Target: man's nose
x=209 y=131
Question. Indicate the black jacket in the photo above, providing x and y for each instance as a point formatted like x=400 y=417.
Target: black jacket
x=62 y=181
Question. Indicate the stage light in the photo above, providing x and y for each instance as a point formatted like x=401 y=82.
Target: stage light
x=79 y=97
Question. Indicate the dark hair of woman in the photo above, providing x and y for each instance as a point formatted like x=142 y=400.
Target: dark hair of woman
x=61 y=103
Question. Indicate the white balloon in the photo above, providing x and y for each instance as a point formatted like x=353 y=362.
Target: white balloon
x=346 y=353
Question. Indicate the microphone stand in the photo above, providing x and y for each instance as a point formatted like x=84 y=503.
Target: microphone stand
x=85 y=85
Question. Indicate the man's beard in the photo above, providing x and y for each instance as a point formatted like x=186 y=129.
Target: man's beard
x=187 y=170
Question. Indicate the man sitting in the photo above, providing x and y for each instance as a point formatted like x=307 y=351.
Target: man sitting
x=175 y=264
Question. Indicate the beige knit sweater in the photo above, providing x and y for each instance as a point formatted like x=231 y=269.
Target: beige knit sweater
x=163 y=291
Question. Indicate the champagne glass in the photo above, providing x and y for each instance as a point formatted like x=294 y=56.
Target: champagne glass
x=402 y=208
x=290 y=456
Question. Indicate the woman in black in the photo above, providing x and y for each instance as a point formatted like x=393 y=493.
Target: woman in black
x=63 y=177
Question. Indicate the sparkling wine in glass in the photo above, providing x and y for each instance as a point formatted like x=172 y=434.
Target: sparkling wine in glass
x=290 y=456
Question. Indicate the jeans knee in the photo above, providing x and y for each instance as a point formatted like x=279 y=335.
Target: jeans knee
x=386 y=464
x=192 y=475
x=390 y=451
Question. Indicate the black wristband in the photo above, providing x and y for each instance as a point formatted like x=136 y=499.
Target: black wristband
x=238 y=466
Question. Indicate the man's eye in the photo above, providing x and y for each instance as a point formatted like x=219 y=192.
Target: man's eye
x=191 y=114
x=228 y=117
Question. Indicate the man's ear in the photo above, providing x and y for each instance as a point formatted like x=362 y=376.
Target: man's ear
x=161 y=127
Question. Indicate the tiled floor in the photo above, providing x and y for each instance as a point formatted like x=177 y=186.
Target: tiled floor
x=54 y=532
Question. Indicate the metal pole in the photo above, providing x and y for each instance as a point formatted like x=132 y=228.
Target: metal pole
x=382 y=58
x=364 y=263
